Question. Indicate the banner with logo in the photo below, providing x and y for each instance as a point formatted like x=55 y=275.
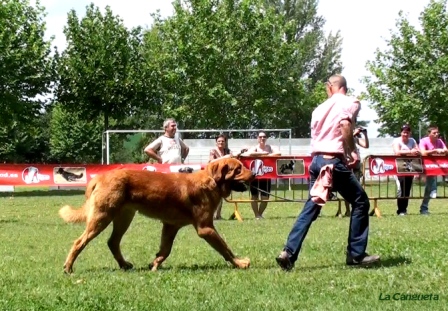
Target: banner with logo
x=399 y=165
x=278 y=167
x=73 y=174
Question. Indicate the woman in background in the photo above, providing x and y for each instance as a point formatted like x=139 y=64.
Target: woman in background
x=404 y=145
x=219 y=152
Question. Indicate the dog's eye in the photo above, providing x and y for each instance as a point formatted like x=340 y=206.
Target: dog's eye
x=238 y=170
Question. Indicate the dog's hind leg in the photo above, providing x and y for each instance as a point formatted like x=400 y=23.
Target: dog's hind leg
x=209 y=233
x=169 y=233
x=95 y=225
x=121 y=224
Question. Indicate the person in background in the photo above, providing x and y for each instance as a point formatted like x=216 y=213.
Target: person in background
x=168 y=148
x=362 y=140
x=220 y=151
x=404 y=145
x=263 y=149
x=431 y=145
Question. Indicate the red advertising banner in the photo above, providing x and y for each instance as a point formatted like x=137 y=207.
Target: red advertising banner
x=278 y=167
x=263 y=166
x=72 y=174
x=80 y=175
x=398 y=165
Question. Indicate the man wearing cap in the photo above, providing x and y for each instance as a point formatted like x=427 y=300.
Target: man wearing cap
x=333 y=145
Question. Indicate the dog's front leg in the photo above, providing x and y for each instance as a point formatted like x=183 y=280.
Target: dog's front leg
x=212 y=237
x=169 y=233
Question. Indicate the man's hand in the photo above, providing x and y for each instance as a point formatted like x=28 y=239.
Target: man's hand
x=353 y=159
x=415 y=152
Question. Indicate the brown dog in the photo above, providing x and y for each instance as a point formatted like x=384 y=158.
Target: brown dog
x=176 y=199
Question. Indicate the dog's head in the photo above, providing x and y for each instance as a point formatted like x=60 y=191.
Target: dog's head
x=60 y=171
x=230 y=175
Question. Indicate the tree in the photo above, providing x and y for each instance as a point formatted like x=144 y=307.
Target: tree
x=239 y=64
x=73 y=139
x=313 y=58
x=26 y=76
x=99 y=71
x=409 y=80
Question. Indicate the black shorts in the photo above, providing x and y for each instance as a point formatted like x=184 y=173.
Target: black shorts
x=263 y=184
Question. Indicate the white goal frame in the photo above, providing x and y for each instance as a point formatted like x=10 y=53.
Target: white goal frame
x=106 y=136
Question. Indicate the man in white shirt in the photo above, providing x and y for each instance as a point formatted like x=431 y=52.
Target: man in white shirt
x=168 y=148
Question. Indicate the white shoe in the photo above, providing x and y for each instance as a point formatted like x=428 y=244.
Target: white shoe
x=433 y=194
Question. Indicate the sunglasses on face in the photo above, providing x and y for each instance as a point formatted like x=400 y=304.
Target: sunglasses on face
x=261 y=136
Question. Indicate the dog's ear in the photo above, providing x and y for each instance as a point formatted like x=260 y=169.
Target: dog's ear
x=220 y=171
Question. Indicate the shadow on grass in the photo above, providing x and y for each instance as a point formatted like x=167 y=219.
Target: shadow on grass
x=387 y=262
x=180 y=268
x=8 y=221
x=41 y=193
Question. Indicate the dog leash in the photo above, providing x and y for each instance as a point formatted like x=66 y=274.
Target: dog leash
x=333 y=196
x=277 y=196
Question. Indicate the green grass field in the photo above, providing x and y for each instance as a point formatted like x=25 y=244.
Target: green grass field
x=35 y=242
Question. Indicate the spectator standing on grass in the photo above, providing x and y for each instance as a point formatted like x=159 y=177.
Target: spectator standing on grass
x=168 y=148
x=404 y=145
x=334 y=153
x=263 y=149
x=431 y=145
x=220 y=151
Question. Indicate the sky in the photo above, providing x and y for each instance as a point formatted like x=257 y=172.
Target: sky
x=364 y=26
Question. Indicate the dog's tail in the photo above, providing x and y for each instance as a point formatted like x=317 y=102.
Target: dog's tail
x=70 y=214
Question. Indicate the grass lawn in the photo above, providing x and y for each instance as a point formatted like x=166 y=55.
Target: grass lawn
x=35 y=242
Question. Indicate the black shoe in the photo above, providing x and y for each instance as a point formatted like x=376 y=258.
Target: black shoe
x=284 y=262
x=366 y=259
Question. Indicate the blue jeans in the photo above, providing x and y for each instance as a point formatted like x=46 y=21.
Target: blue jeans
x=431 y=185
x=344 y=182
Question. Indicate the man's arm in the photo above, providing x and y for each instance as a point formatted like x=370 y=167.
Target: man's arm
x=424 y=151
x=347 y=134
x=152 y=154
x=150 y=150
x=184 y=150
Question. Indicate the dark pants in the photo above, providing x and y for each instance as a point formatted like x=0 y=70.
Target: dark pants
x=403 y=193
x=344 y=182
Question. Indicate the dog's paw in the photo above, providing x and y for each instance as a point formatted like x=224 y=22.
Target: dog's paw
x=126 y=266
x=68 y=270
x=242 y=263
x=153 y=267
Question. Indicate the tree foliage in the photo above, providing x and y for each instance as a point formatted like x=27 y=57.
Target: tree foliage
x=74 y=139
x=26 y=75
x=98 y=72
x=409 y=80
x=239 y=64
